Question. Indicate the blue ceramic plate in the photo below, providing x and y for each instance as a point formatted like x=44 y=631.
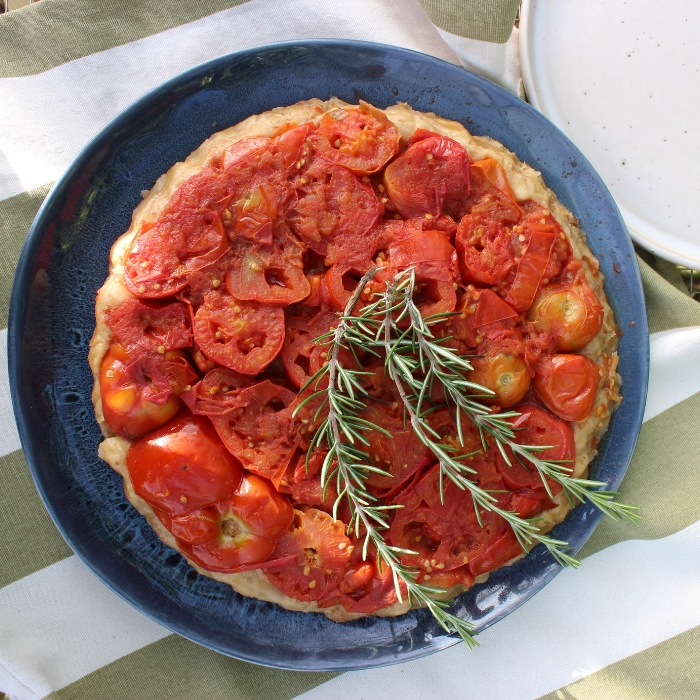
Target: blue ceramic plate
x=65 y=261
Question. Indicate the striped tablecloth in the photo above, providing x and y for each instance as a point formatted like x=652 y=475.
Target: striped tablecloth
x=626 y=625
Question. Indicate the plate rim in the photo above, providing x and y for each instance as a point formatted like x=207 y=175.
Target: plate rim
x=23 y=277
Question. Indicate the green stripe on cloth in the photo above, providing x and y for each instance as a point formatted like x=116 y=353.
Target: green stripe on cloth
x=16 y=216
x=77 y=28
x=661 y=479
x=486 y=20
x=178 y=669
x=667 y=671
x=30 y=541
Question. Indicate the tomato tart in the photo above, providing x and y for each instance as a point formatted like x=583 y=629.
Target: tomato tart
x=241 y=257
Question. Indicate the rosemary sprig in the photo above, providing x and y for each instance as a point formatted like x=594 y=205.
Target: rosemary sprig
x=403 y=368
x=442 y=363
x=415 y=359
x=351 y=465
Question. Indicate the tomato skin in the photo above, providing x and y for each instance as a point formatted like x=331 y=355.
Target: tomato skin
x=530 y=270
x=362 y=140
x=536 y=426
x=429 y=177
x=251 y=333
x=124 y=404
x=572 y=314
x=321 y=553
x=183 y=466
x=492 y=171
x=501 y=551
x=567 y=385
x=505 y=374
x=248 y=525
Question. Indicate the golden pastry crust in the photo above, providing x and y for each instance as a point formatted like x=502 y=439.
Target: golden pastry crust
x=525 y=182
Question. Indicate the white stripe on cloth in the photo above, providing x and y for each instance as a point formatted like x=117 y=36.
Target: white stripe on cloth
x=497 y=62
x=47 y=118
x=623 y=600
x=675 y=369
x=60 y=623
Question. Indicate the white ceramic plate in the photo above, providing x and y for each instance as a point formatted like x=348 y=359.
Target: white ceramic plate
x=622 y=80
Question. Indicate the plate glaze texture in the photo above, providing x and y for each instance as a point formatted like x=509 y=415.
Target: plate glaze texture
x=65 y=261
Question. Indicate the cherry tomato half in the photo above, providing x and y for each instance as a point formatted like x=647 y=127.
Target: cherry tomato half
x=571 y=314
x=567 y=385
x=183 y=466
x=241 y=530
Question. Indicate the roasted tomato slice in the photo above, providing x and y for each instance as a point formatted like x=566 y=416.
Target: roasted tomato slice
x=567 y=385
x=402 y=455
x=216 y=393
x=240 y=530
x=305 y=487
x=139 y=392
x=571 y=314
x=302 y=358
x=535 y=426
x=360 y=139
x=332 y=203
x=503 y=549
x=321 y=553
x=446 y=535
x=244 y=336
x=272 y=274
x=150 y=325
x=163 y=254
x=257 y=428
x=183 y=466
x=429 y=177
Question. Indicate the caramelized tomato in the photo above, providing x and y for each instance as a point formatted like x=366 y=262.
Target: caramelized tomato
x=163 y=254
x=183 y=467
x=132 y=403
x=321 y=553
x=362 y=140
x=244 y=336
x=332 y=203
x=506 y=375
x=430 y=177
x=571 y=314
x=535 y=426
x=240 y=530
x=567 y=385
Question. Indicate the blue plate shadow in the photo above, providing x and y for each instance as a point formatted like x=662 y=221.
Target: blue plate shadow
x=65 y=261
